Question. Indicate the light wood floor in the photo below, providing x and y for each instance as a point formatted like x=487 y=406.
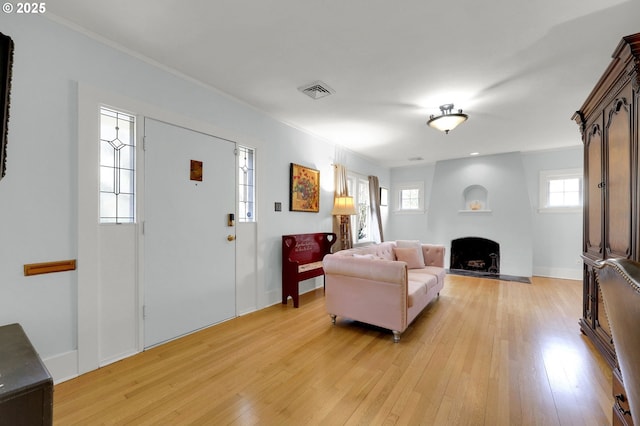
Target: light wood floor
x=485 y=353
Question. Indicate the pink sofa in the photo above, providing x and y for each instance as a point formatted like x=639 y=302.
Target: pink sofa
x=386 y=284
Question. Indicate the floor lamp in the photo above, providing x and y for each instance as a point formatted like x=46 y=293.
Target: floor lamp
x=343 y=207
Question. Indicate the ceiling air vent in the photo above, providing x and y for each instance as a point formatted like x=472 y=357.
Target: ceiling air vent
x=316 y=90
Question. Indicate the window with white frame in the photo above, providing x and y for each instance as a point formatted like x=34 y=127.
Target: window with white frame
x=117 y=166
x=409 y=198
x=360 y=223
x=246 y=185
x=561 y=190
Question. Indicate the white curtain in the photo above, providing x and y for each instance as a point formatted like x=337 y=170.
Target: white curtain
x=341 y=189
x=374 y=202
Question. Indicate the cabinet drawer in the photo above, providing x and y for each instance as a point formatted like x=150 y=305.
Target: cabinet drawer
x=621 y=404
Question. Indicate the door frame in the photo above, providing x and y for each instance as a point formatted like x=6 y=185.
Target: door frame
x=90 y=98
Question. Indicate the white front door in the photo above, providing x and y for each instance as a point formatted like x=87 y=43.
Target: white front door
x=189 y=261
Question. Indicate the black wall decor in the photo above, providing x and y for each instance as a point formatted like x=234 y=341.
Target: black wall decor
x=6 y=62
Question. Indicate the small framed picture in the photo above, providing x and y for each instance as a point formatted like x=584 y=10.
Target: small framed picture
x=195 y=173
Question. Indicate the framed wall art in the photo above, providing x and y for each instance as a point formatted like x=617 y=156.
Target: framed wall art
x=304 y=192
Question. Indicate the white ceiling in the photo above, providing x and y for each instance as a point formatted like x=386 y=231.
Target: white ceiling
x=519 y=68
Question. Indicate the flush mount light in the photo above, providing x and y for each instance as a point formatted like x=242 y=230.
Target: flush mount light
x=448 y=120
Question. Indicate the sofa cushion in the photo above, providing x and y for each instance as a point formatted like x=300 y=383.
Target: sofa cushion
x=438 y=273
x=411 y=244
x=412 y=256
x=415 y=290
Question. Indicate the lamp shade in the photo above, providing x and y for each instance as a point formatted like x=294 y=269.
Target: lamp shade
x=444 y=123
x=448 y=120
x=343 y=206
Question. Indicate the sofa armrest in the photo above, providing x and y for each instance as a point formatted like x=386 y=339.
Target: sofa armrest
x=369 y=269
x=373 y=291
x=433 y=255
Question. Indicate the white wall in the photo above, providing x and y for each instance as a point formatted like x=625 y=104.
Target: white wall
x=38 y=196
x=410 y=226
x=532 y=243
x=508 y=222
x=557 y=237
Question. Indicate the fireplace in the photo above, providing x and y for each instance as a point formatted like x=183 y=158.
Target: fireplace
x=475 y=254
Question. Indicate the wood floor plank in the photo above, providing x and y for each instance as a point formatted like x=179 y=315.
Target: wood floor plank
x=485 y=352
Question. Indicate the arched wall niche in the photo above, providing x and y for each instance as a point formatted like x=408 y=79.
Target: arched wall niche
x=475 y=198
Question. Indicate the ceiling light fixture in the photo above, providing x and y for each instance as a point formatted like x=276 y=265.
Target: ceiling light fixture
x=448 y=120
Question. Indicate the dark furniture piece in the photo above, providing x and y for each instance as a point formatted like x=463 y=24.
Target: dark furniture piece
x=302 y=256
x=609 y=122
x=26 y=387
x=619 y=281
x=6 y=65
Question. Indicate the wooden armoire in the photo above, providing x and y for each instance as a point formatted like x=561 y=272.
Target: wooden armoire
x=609 y=121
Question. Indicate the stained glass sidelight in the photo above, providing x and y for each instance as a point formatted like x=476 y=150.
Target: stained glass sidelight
x=117 y=166
x=246 y=186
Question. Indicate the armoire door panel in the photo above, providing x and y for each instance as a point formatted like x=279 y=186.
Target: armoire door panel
x=594 y=193
x=619 y=178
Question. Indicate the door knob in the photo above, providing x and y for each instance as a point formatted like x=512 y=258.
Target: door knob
x=231 y=237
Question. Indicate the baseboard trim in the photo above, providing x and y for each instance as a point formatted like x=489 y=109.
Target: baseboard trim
x=117 y=358
x=562 y=273
x=62 y=367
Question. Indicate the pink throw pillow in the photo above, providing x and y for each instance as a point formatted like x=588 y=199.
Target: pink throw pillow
x=411 y=256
